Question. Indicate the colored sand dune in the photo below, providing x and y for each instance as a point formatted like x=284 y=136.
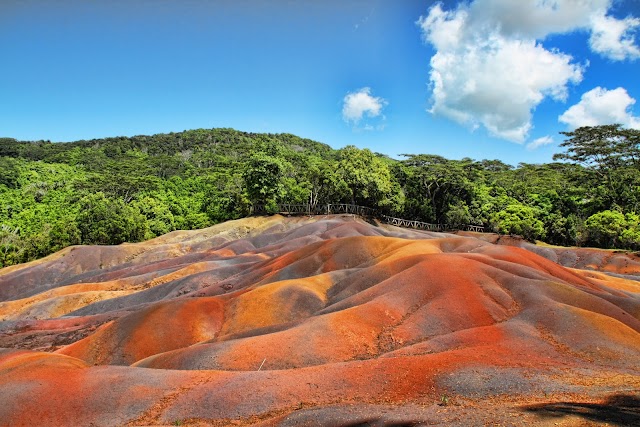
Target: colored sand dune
x=319 y=321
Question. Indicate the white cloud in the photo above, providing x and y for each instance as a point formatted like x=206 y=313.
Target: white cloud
x=610 y=37
x=490 y=68
x=614 y=38
x=443 y=29
x=482 y=77
x=360 y=105
x=539 y=142
x=600 y=106
x=535 y=18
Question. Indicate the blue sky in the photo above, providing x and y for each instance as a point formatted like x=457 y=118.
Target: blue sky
x=479 y=79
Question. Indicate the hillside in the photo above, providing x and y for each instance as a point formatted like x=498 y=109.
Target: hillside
x=320 y=321
x=130 y=189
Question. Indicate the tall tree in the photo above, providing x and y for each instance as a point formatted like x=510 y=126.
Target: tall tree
x=103 y=221
x=368 y=179
x=435 y=184
x=263 y=176
x=612 y=154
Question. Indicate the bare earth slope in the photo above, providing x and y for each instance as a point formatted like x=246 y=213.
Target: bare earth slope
x=320 y=321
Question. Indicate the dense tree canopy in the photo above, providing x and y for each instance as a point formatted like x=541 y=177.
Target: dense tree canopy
x=611 y=156
x=112 y=190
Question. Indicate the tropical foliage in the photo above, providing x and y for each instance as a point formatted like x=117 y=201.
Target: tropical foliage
x=127 y=189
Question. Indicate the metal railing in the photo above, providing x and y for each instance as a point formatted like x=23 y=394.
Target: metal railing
x=364 y=211
x=407 y=223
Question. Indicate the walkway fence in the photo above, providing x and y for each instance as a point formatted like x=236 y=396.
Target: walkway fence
x=344 y=208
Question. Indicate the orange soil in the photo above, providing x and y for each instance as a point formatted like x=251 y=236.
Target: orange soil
x=274 y=321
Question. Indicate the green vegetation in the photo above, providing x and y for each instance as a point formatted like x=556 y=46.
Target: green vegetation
x=444 y=400
x=113 y=190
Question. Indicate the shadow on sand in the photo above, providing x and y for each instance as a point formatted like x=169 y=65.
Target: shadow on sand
x=620 y=410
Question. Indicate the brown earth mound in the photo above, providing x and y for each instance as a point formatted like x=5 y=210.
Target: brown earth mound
x=320 y=321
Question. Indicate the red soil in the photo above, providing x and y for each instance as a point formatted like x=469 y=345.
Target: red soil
x=274 y=321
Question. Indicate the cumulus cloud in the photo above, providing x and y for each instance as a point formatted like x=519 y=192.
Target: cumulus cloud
x=614 y=38
x=539 y=142
x=600 y=106
x=490 y=68
x=481 y=76
x=535 y=18
x=610 y=37
x=361 y=105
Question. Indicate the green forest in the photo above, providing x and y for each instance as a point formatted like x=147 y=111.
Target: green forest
x=128 y=189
